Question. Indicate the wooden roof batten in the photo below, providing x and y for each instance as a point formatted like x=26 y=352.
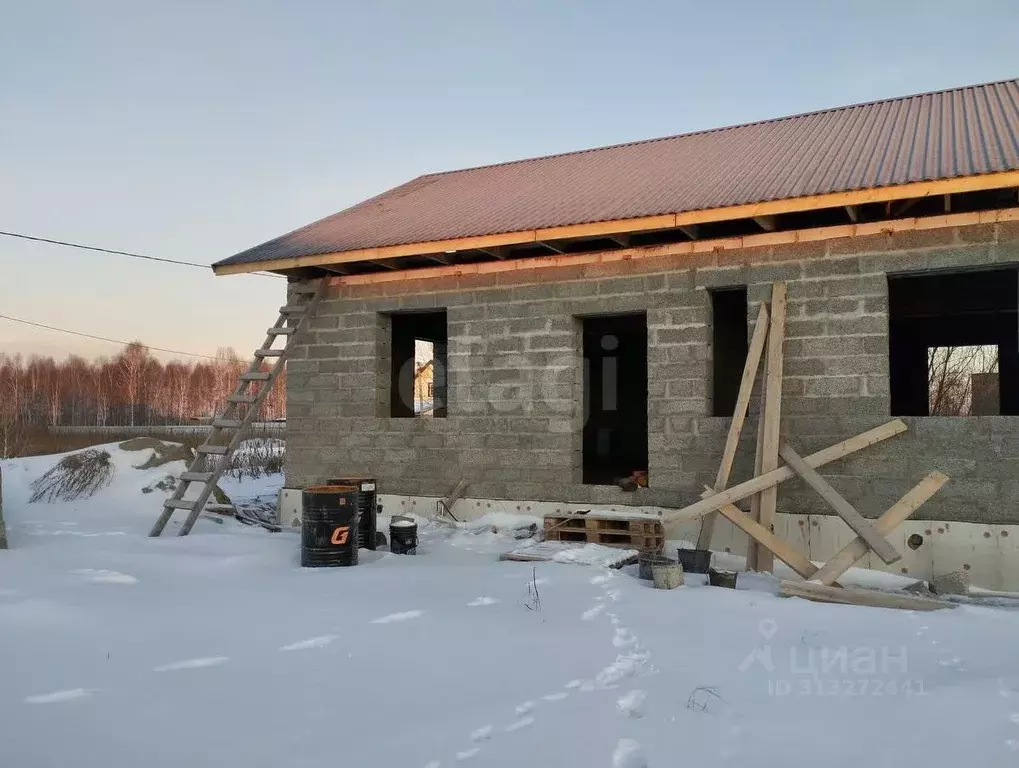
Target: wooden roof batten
x=688 y=222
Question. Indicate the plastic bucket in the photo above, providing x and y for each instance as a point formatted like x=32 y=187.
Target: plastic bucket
x=329 y=518
x=694 y=560
x=403 y=535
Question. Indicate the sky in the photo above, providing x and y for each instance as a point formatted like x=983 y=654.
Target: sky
x=192 y=130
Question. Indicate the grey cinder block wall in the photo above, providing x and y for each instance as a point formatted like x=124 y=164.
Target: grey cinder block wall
x=514 y=373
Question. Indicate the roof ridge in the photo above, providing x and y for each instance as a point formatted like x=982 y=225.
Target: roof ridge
x=718 y=129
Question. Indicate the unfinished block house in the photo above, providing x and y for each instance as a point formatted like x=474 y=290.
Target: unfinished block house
x=587 y=318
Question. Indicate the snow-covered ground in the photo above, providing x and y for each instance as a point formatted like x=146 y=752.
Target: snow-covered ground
x=218 y=650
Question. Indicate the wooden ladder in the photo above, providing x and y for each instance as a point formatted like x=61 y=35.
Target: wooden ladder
x=242 y=408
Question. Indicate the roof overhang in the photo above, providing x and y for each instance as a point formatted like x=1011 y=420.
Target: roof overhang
x=385 y=256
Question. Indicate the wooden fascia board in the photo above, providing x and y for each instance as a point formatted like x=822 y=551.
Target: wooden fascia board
x=645 y=223
x=689 y=247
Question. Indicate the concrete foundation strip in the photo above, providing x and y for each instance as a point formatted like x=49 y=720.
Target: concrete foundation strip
x=712 y=501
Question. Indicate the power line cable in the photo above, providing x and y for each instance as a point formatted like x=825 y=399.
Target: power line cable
x=103 y=338
x=118 y=253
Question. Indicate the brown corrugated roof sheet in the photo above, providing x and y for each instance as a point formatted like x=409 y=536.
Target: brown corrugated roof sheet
x=946 y=134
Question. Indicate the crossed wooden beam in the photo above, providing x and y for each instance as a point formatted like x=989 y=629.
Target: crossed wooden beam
x=763 y=487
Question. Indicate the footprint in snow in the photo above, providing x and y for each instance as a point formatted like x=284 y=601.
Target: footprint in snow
x=629 y=754
x=591 y=613
x=467 y=754
x=482 y=733
x=58 y=696
x=523 y=709
x=631 y=704
x=602 y=579
x=404 y=616
x=311 y=642
x=105 y=577
x=556 y=696
x=523 y=722
x=482 y=601
x=624 y=638
x=210 y=661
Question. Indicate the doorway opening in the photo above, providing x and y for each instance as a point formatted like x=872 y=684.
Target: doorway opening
x=615 y=432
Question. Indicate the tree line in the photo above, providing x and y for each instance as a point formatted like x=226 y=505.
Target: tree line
x=130 y=389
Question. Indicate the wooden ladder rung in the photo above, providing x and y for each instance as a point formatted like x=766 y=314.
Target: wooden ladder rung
x=285 y=331
x=215 y=450
x=294 y=309
x=196 y=477
x=227 y=423
x=220 y=508
x=241 y=398
x=268 y=353
x=255 y=376
x=179 y=504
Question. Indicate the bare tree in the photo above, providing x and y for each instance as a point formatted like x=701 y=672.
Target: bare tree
x=950 y=373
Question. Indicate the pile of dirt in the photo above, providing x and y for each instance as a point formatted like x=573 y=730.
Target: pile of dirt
x=76 y=476
x=162 y=453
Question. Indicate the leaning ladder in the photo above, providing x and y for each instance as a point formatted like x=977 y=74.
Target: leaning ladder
x=253 y=386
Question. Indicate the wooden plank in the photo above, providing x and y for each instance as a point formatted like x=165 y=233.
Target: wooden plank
x=644 y=223
x=771 y=417
x=867 y=597
x=753 y=549
x=863 y=527
x=711 y=502
x=739 y=415
x=884 y=525
x=783 y=551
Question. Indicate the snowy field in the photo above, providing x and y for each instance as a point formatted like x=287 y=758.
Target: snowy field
x=119 y=651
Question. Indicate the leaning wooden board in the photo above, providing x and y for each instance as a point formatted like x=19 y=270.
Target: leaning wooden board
x=867 y=597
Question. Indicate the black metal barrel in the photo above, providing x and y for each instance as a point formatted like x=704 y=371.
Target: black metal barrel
x=369 y=511
x=329 y=520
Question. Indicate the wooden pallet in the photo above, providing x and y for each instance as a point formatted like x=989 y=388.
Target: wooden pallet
x=640 y=533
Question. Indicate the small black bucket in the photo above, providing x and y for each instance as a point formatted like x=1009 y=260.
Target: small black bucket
x=403 y=536
x=694 y=560
x=722 y=578
x=329 y=526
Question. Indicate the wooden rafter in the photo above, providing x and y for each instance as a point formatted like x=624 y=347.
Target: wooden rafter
x=641 y=224
x=853 y=213
x=552 y=247
x=767 y=223
x=690 y=230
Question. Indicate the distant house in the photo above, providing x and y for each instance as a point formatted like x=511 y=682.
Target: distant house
x=589 y=311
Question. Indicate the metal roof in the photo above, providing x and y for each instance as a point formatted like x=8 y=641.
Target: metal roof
x=941 y=135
